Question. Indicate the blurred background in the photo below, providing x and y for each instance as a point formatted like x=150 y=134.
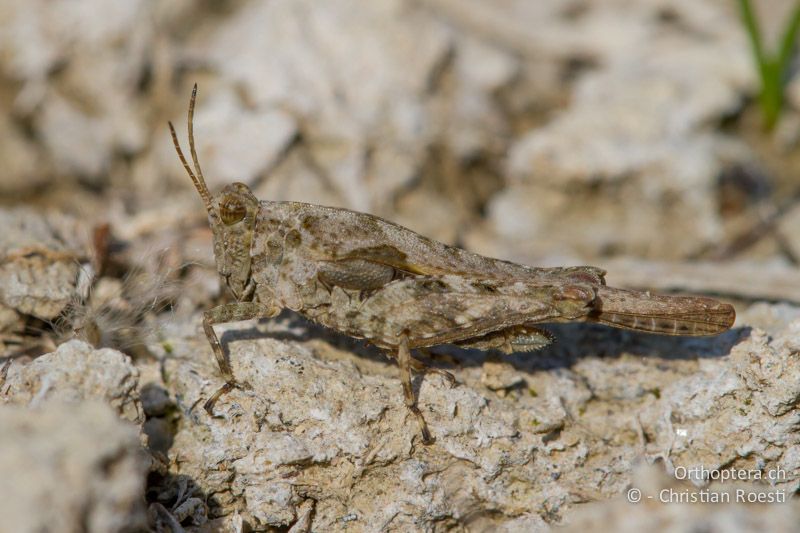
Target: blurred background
x=546 y=132
x=549 y=132
x=628 y=134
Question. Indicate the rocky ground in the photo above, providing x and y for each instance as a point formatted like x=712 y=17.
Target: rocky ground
x=618 y=133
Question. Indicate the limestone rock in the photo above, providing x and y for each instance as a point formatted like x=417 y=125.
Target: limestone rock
x=39 y=261
x=666 y=505
x=75 y=373
x=70 y=467
x=635 y=134
x=736 y=412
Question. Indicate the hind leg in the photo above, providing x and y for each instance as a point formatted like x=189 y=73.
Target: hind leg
x=422 y=367
x=404 y=361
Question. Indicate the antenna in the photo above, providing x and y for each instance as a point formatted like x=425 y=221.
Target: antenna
x=199 y=181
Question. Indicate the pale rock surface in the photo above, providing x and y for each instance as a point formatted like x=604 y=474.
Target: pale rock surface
x=19 y=158
x=229 y=133
x=39 y=261
x=70 y=467
x=655 y=511
x=77 y=373
x=88 y=117
x=321 y=429
x=735 y=412
x=635 y=133
x=373 y=101
x=521 y=441
x=351 y=74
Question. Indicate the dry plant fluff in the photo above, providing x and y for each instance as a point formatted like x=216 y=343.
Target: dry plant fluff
x=117 y=313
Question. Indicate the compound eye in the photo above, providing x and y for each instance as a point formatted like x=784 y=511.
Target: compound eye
x=231 y=210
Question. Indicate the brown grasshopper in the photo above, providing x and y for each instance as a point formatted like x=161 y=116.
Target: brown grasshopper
x=372 y=279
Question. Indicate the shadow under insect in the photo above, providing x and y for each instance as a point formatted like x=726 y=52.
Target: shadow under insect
x=571 y=343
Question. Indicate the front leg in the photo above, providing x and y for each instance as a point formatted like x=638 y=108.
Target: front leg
x=231 y=312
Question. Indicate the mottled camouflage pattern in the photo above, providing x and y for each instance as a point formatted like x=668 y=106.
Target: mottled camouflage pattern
x=370 y=278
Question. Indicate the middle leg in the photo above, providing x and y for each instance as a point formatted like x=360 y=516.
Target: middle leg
x=404 y=362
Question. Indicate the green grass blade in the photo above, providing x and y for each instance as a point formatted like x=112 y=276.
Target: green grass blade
x=789 y=37
x=772 y=68
x=753 y=31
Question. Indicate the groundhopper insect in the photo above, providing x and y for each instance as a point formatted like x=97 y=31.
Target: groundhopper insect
x=372 y=279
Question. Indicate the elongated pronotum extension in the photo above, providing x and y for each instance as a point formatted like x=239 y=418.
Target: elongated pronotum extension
x=664 y=314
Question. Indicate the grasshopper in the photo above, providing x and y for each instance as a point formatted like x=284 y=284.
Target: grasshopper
x=372 y=279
